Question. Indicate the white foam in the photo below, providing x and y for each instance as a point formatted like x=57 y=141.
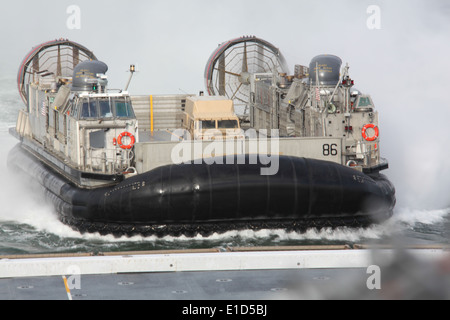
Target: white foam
x=412 y=216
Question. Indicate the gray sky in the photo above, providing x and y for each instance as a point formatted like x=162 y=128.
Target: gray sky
x=170 y=40
x=404 y=64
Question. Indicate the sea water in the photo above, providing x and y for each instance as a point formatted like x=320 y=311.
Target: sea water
x=29 y=225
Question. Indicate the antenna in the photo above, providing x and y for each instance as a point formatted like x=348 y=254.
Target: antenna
x=132 y=71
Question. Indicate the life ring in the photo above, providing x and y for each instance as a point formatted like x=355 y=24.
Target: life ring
x=374 y=127
x=126 y=146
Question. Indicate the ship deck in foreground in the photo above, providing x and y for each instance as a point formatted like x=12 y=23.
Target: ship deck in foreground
x=231 y=274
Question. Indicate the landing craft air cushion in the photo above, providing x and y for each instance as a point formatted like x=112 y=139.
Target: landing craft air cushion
x=106 y=159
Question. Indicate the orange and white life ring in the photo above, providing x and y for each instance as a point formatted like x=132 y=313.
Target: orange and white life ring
x=372 y=126
x=126 y=146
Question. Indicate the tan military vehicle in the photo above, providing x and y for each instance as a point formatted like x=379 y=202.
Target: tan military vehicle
x=211 y=118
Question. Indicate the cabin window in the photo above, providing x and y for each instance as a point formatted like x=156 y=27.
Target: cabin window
x=105 y=108
x=123 y=108
x=364 y=102
x=207 y=124
x=55 y=123
x=227 y=124
x=89 y=109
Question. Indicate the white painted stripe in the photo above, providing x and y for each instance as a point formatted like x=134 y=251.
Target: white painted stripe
x=220 y=261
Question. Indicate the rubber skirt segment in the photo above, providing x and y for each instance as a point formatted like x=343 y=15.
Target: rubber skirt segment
x=190 y=198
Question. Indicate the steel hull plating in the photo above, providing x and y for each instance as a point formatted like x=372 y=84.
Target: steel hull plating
x=201 y=198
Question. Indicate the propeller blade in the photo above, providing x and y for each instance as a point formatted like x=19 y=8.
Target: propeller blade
x=222 y=75
x=244 y=59
x=237 y=90
x=228 y=72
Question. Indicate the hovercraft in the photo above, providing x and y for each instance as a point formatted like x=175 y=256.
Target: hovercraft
x=304 y=151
